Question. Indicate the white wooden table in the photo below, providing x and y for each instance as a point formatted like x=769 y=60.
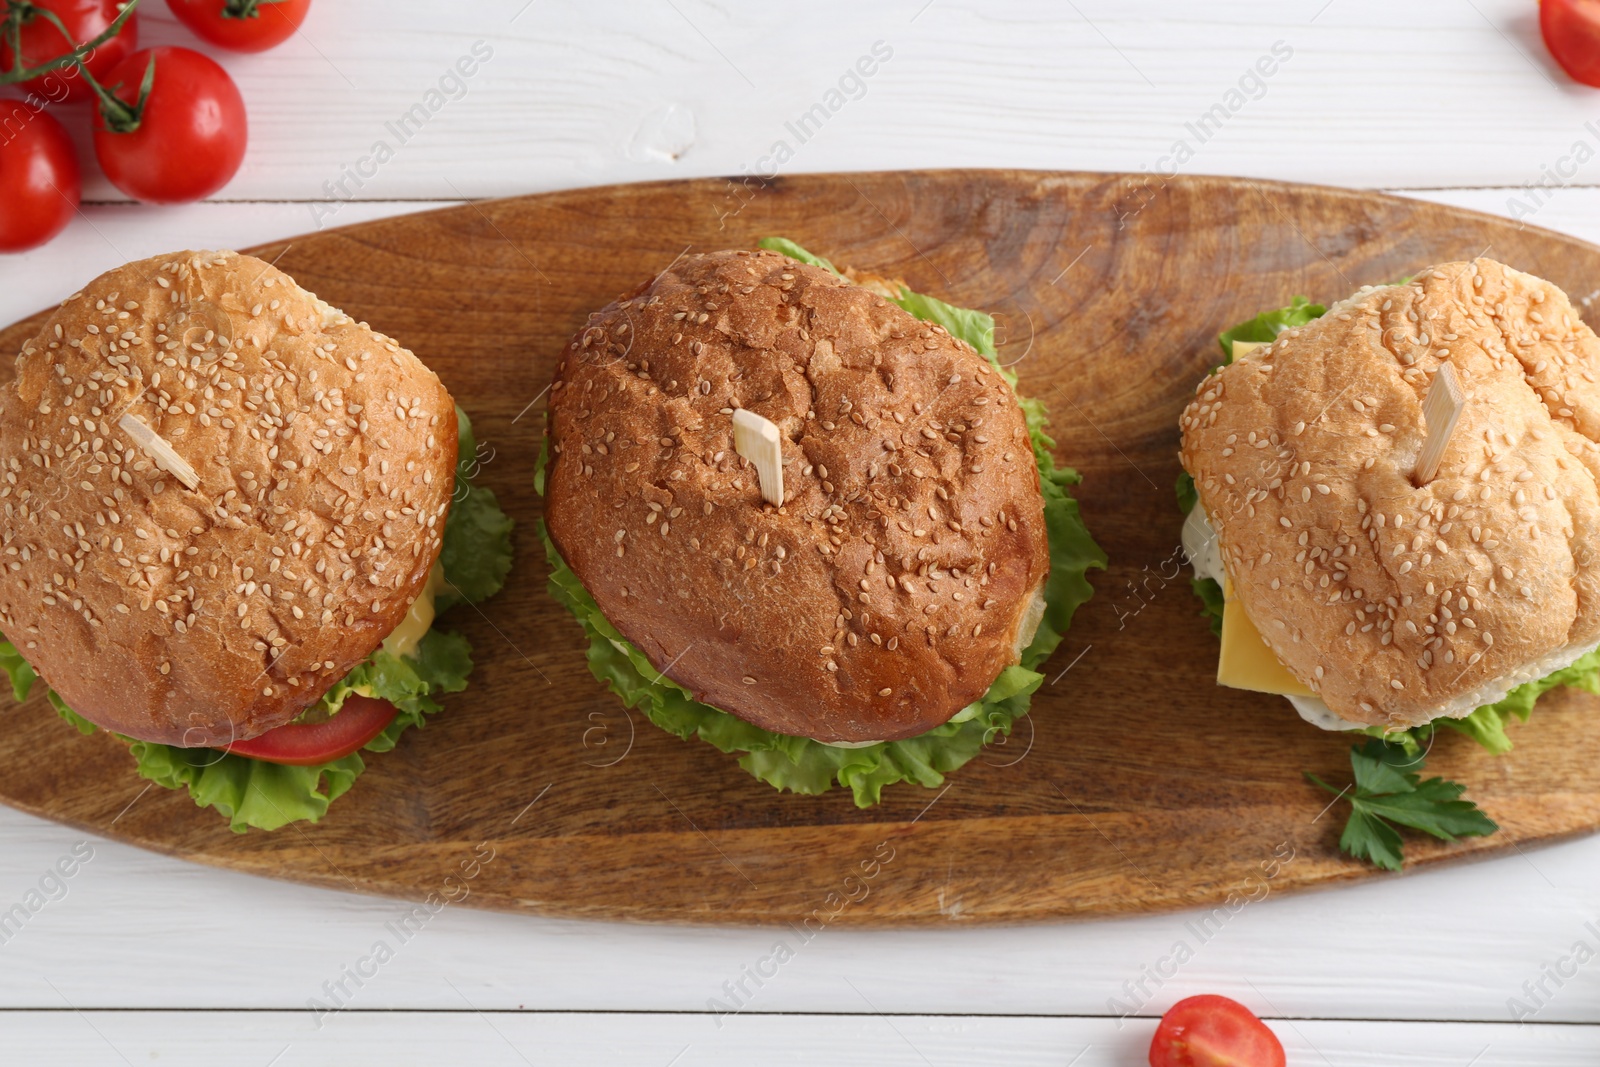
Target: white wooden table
x=148 y=959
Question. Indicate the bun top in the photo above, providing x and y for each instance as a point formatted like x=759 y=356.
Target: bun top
x=901 y=573
x=325 y=453
x=1398 y=603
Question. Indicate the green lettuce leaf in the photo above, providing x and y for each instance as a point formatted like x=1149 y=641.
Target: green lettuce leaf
x=793 y=763
x=1188 y=495
x=1207 y=589
x=440 y=663
x=1487 y=725
x=247 y=792
x=974 y=327
x=72 y=718
x=1211 y=602
x=475 y=556
x=1266 y=326
x=267 y=796
x=794 y=251
x=17 y=670
x=800 y=764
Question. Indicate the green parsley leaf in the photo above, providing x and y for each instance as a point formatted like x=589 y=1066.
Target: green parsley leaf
x=1389 y=789
x=1370 y=838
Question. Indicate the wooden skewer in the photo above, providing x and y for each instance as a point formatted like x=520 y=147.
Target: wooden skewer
x=157 y=448
x=1441 y=410
x=757 y=440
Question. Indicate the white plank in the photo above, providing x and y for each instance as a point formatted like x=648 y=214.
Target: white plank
x=90 y=1039
x=1446 y=94
x=1572 y=210
x=135 y=930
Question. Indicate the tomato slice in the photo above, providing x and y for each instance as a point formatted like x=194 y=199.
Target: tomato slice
x=1571 y=30
x=1213 y=1031
x=307 y=744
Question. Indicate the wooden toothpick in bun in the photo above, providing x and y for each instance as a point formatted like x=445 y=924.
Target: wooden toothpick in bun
x=1398 y=603
x=905 y=567
x=325 y=455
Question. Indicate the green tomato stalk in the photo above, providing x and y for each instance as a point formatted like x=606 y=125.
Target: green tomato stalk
x=19 y=13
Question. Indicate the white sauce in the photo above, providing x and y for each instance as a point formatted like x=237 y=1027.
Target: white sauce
x=1200 y=545
x=1318 y=714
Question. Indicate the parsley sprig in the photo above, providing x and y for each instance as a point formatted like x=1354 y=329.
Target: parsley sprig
x=1389 y=789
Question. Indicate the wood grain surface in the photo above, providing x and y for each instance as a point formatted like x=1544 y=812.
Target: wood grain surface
x=1136 y=785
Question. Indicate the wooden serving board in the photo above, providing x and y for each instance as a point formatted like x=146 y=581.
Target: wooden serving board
x=1136 y=784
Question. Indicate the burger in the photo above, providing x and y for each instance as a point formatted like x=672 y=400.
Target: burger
x=1375 y=599
x=1390 y=607
x=232 y=514
x=881 y=617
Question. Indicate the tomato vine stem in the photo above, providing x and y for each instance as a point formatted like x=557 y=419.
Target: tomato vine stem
x=19 y=13
x=245 y=9
x=121 y=117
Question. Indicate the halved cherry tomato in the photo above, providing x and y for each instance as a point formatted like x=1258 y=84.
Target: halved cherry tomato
x=1213 y=1031
x=358 y=721
x=242 y=25
x=185 y=141
x=42 y=41
x=1571 y=30
x=39 y=182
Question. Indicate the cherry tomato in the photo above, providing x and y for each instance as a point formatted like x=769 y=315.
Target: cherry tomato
x=1213 y=1031
x=39 y=182
x=1571 y=31
x=242 y=25
x=359 y=720
x=187 y=140
x=42 y=41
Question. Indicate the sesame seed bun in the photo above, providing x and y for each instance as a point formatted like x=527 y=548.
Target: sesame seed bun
x=1396 y=603
x=904 y=570
x=325 y=454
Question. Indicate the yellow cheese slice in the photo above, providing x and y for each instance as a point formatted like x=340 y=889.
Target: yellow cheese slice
x=1246 y=661
x=403 y=640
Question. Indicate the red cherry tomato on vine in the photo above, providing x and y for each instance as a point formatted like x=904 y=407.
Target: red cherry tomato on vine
x=42 y=41
x=1571 y=30
x=39 y=182
x=359 y=720
x=242 y=25
x=1213 y=1031
x=184 y=141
